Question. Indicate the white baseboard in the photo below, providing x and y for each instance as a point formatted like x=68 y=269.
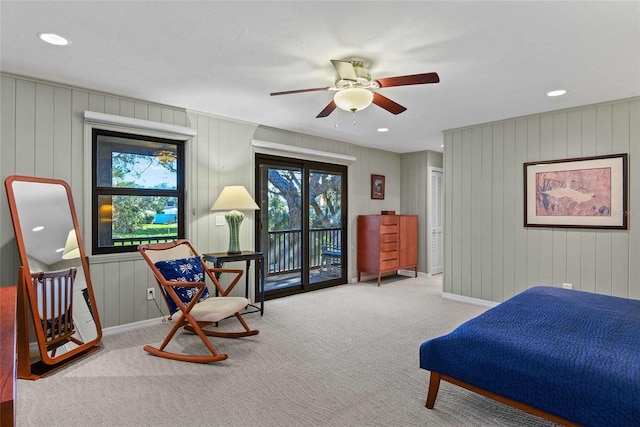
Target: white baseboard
x=411 y=273
x=469 y=300
x=130 y=326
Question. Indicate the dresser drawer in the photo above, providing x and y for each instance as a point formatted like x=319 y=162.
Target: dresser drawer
x=389 y=238
x=388 y=229
x=390 y=264
x=388 y=246
x=388 y=220
x=389 y=255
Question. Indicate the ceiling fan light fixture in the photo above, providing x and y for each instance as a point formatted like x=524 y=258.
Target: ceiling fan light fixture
x=353 y=99
x=165 y=157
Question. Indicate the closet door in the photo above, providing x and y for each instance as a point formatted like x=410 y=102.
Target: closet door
x=437 y=234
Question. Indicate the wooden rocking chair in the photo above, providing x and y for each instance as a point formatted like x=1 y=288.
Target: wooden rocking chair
x=181 y=273
x=54 y=294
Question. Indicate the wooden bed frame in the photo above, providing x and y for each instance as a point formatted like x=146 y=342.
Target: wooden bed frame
x=434 y=385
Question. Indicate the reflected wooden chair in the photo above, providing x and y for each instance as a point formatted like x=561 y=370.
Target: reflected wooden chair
x=181 y=274
x=54 y=295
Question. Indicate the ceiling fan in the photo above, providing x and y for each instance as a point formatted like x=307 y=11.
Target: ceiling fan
x=356 y=90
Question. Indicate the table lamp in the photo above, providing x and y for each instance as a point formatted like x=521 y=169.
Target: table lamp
x=71 y=249
x=233 y=199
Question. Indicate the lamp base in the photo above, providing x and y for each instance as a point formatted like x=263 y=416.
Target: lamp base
x=234 y=219
x=234 y=252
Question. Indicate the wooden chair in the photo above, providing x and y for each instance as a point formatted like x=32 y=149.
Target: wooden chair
x=192 y=310
x=54 y=294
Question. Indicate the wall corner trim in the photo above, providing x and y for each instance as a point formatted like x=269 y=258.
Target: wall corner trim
x=300 y=150
x=109 y=119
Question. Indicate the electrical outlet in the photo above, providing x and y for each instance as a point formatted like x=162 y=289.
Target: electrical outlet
x=151 y=293
x=220 y=220
x=567 y=285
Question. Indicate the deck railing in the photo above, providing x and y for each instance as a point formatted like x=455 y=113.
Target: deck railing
x=128 y=241
x=284 y=253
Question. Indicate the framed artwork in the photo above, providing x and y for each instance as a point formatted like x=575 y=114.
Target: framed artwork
x=377 y=187
x=587 y=192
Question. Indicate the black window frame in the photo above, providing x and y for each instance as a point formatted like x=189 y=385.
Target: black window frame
x=179 y=193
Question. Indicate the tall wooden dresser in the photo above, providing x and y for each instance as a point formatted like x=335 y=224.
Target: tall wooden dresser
x=387 y=243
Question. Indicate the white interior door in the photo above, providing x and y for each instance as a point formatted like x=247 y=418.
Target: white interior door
x=436 y=222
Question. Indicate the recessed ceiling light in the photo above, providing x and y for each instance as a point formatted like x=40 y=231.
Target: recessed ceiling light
x=383 y=129
x=556 y=92
x=441 y=145
x=38 y=228
x=54 y=39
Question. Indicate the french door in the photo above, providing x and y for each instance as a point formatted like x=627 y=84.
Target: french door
x=301 y=226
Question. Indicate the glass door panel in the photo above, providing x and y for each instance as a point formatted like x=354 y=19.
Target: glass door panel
x=325 y=226
x=281 y=220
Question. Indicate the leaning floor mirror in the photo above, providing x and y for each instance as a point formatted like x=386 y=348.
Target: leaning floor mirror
x=55 y=297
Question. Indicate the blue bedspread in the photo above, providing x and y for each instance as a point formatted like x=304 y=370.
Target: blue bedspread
x=569 y=353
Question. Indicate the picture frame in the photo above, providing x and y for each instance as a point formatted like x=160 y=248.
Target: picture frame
x=585 y=192
x=377 y=187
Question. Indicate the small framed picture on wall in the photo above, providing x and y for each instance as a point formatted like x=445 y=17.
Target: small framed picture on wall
x=377 y=187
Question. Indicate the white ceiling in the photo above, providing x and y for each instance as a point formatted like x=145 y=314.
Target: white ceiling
x=496 y=60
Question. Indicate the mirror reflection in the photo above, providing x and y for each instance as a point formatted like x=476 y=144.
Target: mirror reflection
x=58 y=288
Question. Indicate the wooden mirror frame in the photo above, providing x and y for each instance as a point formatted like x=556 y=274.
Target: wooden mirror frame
x=27 y=298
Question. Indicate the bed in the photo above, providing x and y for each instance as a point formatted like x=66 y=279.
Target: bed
x=569 y=356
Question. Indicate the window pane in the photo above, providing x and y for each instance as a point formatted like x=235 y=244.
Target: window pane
x=136 y=163
x=325 y=199
x=135 y=220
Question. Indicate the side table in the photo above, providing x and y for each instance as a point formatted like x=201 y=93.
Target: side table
x=219 y=258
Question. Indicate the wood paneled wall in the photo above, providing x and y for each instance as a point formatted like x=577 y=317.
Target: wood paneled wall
x=489 y=254
x=42 y=134
x=415 y=195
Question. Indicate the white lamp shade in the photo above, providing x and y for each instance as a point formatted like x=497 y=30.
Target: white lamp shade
x=353 y=99
x=234 y=197
x=71 y=249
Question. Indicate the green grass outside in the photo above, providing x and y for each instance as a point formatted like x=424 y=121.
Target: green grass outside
x=150 y=230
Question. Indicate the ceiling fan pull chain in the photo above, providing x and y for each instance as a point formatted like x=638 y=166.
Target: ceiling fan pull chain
x=354 y=117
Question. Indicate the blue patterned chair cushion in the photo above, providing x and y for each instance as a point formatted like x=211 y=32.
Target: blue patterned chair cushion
x=183 y=270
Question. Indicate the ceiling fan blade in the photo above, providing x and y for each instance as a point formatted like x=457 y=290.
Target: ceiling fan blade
x=389 y=105
x=413 y=79
x=345 y=70
x=288 y=92
x=327 y=110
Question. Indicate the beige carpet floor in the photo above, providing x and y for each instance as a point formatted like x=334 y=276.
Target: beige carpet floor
x=344 y=356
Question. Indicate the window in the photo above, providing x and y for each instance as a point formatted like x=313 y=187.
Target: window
x=138 y=191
